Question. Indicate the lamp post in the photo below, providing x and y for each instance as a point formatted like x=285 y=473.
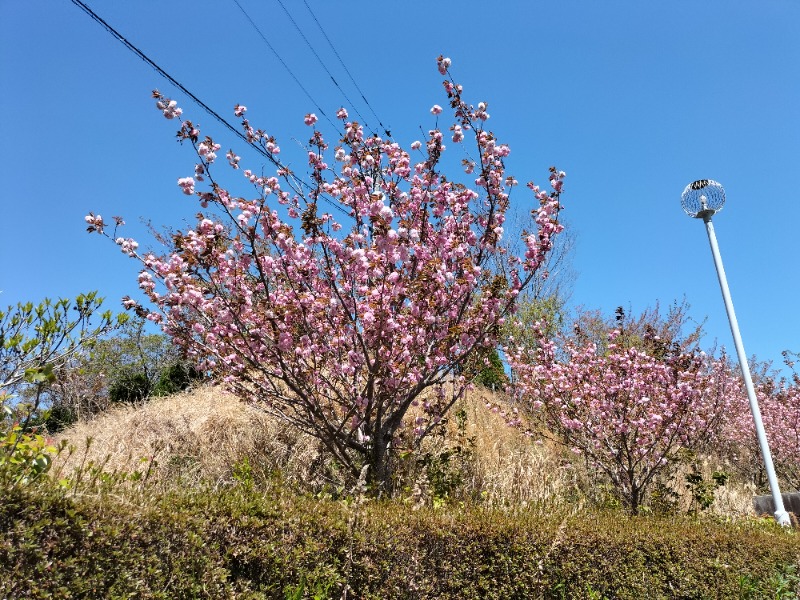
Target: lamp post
x=702 y=199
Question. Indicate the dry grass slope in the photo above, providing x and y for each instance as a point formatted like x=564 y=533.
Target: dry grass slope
x=203 y=434
x=197 y=435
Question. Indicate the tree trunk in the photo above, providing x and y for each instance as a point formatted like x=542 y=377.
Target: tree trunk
x=379 y=476
x=635 y=500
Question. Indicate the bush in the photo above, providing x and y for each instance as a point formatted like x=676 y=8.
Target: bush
x=129 y=388
x=176 y=378
x=243 y=542
x=59 y=418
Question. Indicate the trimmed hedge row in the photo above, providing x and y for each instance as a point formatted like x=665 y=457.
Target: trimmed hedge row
x=240 y=543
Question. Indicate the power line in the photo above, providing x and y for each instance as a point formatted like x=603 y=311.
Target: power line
x=197 y=100
x=324 y=66
x=346 y=70
x=285 y=66
x=168 y=77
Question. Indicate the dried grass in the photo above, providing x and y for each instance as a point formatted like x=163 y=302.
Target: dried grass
x=510 y=467
x=201 y=435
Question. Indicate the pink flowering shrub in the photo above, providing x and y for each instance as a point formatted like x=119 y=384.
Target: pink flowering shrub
x=779 y=404
x=629 y=411
x=781 y=414
x=341 y=322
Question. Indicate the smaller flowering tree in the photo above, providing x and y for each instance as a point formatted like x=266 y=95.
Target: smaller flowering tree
x=779 y=403
x=781 y=416
x=629 y=411
x=48 y=335
x=341 y=326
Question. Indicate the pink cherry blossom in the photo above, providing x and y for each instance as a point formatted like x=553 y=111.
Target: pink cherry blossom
x=187 y=184
x=95 y=222
x=128 y=246
x=301 y=312
x=233 y=159
x=627 y=411
x=779 y=402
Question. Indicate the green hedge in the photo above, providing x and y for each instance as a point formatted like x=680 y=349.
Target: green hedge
x=241 y=543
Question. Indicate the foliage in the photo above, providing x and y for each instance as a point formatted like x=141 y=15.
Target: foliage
x=33 y=337
x=703 y=490
x=489 y=372
x=35 y=342
x=438 y=472
x=631 y=408
x=176 y=378
x=244 y=543
x=25 y=454
x=132 y=351
x=128 y=366
x=342 y=327
x=129 y=387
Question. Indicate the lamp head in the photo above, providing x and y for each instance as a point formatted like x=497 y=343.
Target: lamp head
x=703 y=198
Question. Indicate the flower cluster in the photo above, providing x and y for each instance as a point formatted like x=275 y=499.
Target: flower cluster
x=95 y=222
x=779 y=405
x=187 y=185
x=630 y=413
x=169 y=108
x=341 y=326
x=128 y=246
x=443 y=64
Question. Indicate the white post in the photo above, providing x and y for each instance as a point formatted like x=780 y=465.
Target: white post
x=781 y=516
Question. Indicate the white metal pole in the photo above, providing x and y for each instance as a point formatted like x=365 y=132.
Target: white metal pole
x=781 y=516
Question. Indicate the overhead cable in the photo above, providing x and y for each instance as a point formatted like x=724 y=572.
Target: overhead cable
x=324 y=66
x=346 y=70
x=285 y=66
x=197 y=100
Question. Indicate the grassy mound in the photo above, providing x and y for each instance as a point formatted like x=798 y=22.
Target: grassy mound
x=200 y=496
x=203 y=436
x=190 y=439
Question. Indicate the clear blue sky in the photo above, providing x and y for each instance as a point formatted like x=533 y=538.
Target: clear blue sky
x=633 y=100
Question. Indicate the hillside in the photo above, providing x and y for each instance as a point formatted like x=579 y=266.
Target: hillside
x=205 y=435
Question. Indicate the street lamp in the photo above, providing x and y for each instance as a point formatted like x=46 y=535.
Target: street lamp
x=702 y=199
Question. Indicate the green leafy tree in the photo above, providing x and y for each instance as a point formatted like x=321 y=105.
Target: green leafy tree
x=35 y=342
x=519 y=330
x=175 y=378
x=491 y=373
x=129 y=366
x=48 y=335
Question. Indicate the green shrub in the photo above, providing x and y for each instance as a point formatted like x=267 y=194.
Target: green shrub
x=176 y=378
x=130 y=387
x=24 y=455
x=243 y=542
x=58 y=418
